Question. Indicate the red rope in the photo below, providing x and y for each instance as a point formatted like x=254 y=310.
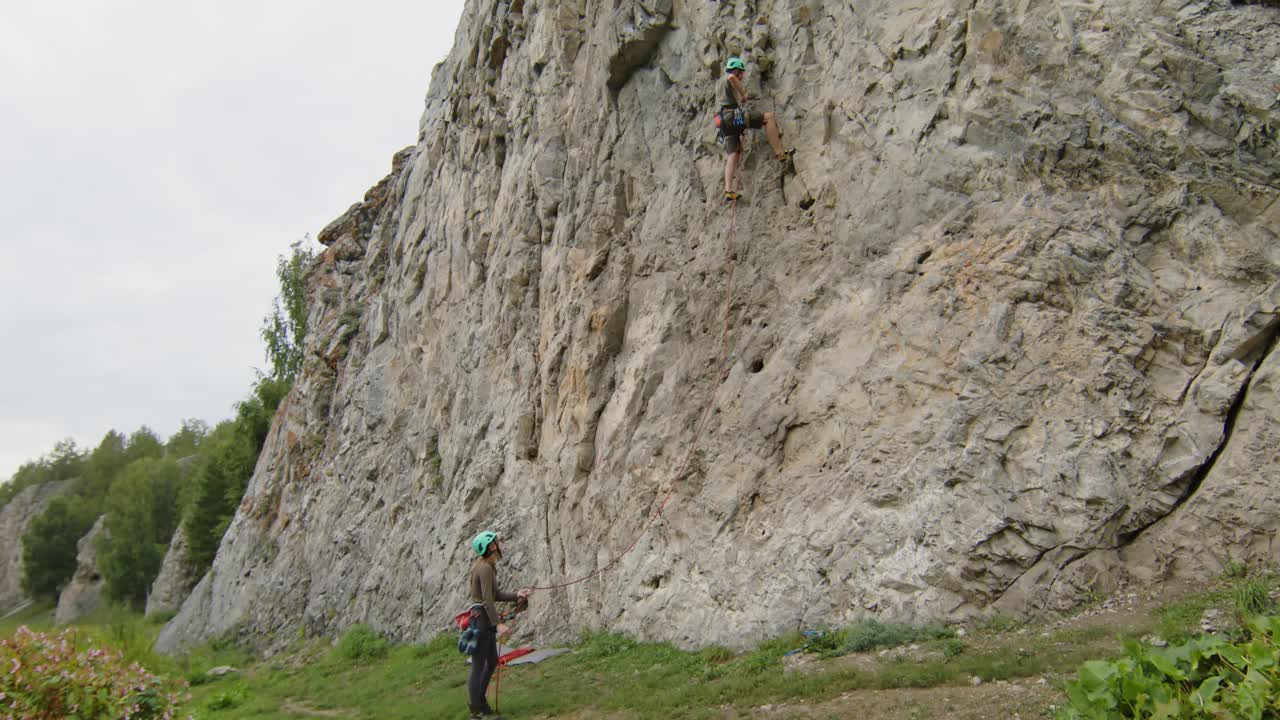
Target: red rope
x=702 y=423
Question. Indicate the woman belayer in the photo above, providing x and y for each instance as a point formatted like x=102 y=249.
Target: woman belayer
x=485 y=594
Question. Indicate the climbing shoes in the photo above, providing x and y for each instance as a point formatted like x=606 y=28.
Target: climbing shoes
x=731 y=196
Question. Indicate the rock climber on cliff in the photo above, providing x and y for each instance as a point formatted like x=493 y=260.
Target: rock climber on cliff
x=485 y=593
x=735 y=118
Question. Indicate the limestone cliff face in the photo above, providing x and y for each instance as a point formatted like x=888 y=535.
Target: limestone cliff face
x=15 y=520
x=84 y=593
x=176 y=578
x=1021 y=340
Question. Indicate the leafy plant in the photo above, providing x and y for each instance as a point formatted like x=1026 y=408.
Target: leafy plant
x=226 y=699
x=869 y=634
x=49 y=677
x=1206 y=677
x=953 y=648
x=285 y=327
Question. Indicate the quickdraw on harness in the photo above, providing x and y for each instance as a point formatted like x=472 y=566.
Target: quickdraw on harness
x=730 y=121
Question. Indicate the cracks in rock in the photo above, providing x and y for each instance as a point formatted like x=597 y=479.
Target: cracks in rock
x=1080 y=554
x=1032 y=566
x=637 y=50
x=959 y=50
x=1182 y=396
x=1267 y=341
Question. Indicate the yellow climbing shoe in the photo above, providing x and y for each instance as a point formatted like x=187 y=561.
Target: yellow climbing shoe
x=730 y=196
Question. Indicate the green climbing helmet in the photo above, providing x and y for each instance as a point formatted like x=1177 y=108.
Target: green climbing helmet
x=482 y=541
x=735 y=64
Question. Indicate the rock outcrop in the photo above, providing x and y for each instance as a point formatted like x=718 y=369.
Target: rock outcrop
x=83 y=594
x=15 y=519
x=1020 y=345
x=176 y=578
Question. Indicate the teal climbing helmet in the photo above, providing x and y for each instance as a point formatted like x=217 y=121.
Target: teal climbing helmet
x=735 y=64
x=482 y=541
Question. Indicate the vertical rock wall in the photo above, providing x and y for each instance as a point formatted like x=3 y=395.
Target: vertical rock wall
x=84 y=594
x=1024 y=331
x=15 y=519
x=174 y=582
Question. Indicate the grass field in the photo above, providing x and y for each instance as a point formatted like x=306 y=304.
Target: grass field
x=905 y=668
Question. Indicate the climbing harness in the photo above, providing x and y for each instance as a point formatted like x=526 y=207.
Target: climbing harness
x=729 y=121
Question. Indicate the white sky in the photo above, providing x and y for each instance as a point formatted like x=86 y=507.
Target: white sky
x=155 y=158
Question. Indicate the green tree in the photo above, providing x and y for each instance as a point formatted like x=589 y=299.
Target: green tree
x=141 y=518
x=101 y=467
x=28 y=474
x=224 y=466
x=64 y=462
x=143 y=443
x=223 y=459
x=49 y=547
x=285 y=327
x=186 y=441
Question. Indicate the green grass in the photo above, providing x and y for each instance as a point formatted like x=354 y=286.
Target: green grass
x=38 y=616
x=608 y=675
x=362 y=675
x=1236 y=596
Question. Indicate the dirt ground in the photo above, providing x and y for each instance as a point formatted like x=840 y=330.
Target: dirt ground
x=989 y=701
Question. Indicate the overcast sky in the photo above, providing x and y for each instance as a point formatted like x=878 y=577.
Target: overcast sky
x=156 y=156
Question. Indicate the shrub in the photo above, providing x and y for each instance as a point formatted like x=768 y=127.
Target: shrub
x=1206 y=677
x=226 y=699
x=954 y=648
x=870 y=634
x=362 y=643
x=48 y=677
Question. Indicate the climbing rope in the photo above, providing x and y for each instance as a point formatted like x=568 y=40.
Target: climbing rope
x=722 y=369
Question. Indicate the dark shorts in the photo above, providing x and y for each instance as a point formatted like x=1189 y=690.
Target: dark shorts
x=733 y=143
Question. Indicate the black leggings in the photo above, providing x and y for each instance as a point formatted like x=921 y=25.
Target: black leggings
x=483 y=663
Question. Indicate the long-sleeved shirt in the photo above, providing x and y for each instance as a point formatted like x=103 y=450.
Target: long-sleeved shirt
x=484 y=589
